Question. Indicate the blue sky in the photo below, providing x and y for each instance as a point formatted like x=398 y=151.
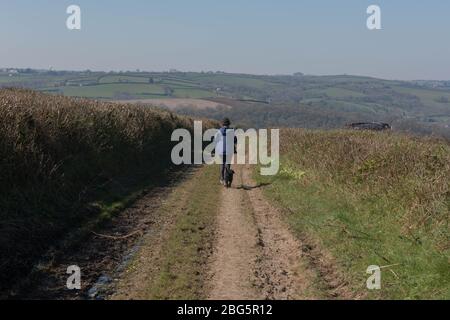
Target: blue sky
x=251 y=36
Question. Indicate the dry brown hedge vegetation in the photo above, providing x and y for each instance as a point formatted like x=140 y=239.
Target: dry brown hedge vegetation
x=415 y=170
x=55 y=152
x=372 y=198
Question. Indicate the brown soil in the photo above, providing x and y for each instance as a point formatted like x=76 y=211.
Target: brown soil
x=256 y=256
x=103 y=256
x=235 y=250
x=177 y=103
x=146 y=265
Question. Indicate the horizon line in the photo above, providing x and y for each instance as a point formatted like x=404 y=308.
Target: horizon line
x=174 y=70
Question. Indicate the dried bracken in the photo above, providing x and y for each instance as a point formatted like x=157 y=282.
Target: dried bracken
x=55 y=152
x=414 y=171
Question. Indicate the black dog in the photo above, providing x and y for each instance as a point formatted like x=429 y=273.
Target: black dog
x=228 y=177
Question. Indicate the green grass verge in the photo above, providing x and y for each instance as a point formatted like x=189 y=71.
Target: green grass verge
x=360 y=227
x=181 y=274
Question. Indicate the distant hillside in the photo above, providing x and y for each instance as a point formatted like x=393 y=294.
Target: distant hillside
x=261 y=101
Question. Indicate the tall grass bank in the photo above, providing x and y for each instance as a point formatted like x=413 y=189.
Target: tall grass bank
x=57 y=154
x=371 y=199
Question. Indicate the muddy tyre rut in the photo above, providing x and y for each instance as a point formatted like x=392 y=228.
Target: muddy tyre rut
x=255 y=256
x=246 y=251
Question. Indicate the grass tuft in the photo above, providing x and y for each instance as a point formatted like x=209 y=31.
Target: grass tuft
x=372 y=199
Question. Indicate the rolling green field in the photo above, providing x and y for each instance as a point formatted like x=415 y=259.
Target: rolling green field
x=107 y=86
x=108 y=91
x=123 y=79
x=263 y=100
x=435 y=98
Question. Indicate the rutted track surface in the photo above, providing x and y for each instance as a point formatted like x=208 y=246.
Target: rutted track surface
x=253 y=253
x=256 y=256
x=103 y=257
